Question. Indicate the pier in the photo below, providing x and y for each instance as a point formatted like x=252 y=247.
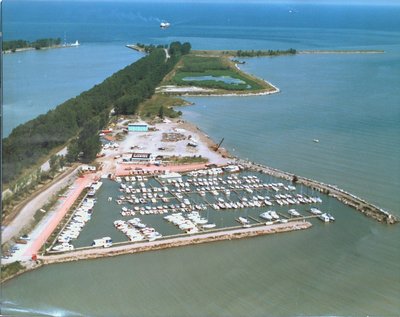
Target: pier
x=209 y=236
x=347 y=198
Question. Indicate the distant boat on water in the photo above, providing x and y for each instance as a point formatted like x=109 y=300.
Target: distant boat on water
x=75 y=44
x=165 y=25
x=316 y=140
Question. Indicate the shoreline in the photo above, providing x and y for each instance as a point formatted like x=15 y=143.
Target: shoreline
x=194 y=91
x=166 y=243
x=357 y=203
x=125 y=248
x=26 y=49
x=229 y=233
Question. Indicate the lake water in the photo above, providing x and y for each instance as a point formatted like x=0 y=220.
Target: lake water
x=225 y=79
x=349 y=102
x=105 y=212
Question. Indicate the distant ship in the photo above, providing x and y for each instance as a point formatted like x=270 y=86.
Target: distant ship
x=165 y=25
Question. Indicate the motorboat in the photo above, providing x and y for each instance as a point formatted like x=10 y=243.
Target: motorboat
x=165 y=25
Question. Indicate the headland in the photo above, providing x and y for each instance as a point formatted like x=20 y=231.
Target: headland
x=168 y=166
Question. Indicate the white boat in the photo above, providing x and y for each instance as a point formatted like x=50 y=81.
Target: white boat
x=274 y=215
x=165 y=25
x=331 y=218
x=209 y=226
x=315 y=211
x=75 y=44
x=201 y=221
x=294 y=212
x=103 y=242
x=266 y=215
x=324 y=217
x=243 y=221
x=316 y=140
x=63 y=247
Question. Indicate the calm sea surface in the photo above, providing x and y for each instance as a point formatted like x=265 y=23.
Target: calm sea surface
x=351 y=103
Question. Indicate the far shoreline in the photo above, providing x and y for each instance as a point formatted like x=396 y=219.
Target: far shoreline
x=26 y=49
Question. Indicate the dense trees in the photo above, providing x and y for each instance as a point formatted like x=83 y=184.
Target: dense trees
x=258 y=53
x=79 y=119
x=38 y=44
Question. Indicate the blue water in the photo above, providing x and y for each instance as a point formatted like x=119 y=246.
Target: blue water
x=224 y=79
x=36 y=81
x=351 y=103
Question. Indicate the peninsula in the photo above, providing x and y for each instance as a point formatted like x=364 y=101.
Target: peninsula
x=164 y=181
x=14 y=46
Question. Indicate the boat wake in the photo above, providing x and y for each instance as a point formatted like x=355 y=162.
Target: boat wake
x=11 y=308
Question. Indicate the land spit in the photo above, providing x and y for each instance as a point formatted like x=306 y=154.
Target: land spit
x=210 y=236
x=367 y=208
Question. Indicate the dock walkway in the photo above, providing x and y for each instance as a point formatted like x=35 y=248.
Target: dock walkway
x=203 y=237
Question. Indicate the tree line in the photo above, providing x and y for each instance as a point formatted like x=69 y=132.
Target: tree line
x=182 y=49
x=79 y=119
x=253 y=53
x=38 y=44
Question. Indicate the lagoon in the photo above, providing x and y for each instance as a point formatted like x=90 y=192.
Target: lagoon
x=224 y=79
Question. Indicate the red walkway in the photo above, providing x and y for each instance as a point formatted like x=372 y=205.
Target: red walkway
x=55 y=219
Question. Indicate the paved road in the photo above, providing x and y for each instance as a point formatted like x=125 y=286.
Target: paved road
x=28 y=211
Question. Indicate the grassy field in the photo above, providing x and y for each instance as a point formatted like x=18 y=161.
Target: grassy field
x=188 y=159
x=10 y=270
x=216 y=66
x=152 y=107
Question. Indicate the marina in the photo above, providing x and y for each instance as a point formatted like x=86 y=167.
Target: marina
x=342 y=268
x=152 y=207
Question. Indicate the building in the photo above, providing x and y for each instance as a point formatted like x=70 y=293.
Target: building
x=170 y=176
x=138 y=127
x=142 y=157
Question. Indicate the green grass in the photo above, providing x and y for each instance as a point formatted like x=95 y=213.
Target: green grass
x=217 y=66
x=188 y=159
x=151 y=107
x=10 y=269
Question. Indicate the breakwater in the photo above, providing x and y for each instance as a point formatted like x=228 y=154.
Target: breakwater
x=347 y=198
x=210 y=236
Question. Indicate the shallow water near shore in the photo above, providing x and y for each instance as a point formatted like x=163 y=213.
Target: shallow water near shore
x=350 y=103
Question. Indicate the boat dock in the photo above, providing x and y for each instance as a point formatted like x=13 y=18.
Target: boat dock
x=202 y=237
x=359 y=204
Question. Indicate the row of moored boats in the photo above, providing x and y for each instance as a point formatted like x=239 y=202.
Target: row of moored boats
x=190 y=223
x=78 y=221
x=135 y=230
